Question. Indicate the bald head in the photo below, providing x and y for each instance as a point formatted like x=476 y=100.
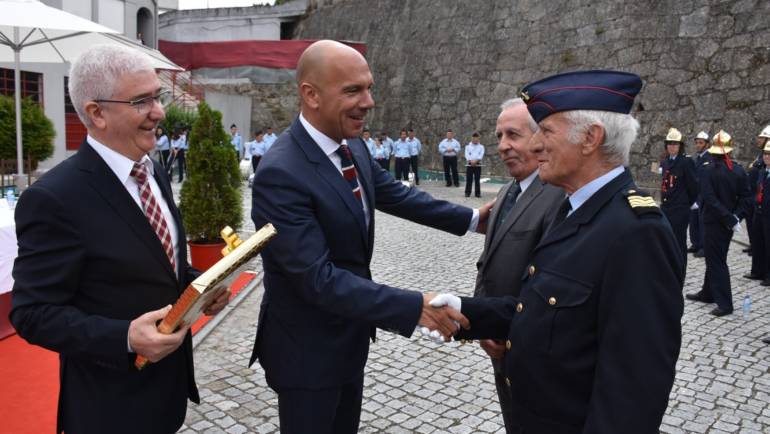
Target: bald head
x=314 y=63
x=334 y=84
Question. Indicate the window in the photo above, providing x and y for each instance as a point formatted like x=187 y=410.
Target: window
x=31 y=84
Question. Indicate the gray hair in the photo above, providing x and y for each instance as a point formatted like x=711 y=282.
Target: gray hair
x=513 y=102
x=95 y=73
x=620 y=131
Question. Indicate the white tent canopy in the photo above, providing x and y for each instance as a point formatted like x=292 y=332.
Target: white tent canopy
x=33 y=32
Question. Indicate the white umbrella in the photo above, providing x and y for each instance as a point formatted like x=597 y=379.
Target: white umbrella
x=33 y=32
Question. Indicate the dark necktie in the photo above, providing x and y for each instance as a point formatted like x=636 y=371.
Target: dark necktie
x=510 y=200
x=349 y=171
x=564 y=209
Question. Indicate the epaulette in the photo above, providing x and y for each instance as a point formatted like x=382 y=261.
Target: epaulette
x=706 y=163
x=642 y=203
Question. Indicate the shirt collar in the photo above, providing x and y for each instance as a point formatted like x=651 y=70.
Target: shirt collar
x=579 y=197
x=327 y=144
x=526 y=182
x=117 y=162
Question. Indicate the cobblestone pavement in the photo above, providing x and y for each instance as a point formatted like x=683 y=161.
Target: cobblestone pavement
x=413 y=386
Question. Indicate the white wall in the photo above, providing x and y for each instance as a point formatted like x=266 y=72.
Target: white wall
x=112 y=14
x=234 y=29
x=81 y=8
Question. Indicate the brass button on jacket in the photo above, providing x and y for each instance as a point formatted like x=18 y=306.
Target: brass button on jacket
x=531 y=270
x=507 y=382
x=508 y=344
x=519 y=307
x=552 y=301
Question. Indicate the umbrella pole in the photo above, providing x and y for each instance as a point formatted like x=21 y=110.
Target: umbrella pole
x=17 y=94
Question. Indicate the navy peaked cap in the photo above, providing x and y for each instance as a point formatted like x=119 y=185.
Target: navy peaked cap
x=611 y=91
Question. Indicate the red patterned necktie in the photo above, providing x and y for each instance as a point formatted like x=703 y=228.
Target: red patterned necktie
x=152 y=211
x=349 y=171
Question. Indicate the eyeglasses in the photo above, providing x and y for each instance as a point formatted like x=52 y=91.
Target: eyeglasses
x=143 y=105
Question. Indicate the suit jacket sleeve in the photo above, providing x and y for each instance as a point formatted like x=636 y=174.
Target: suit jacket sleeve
x=46 y=273
x=409 y=203
x=490 y=317
x=300 y=254
x=638 y=325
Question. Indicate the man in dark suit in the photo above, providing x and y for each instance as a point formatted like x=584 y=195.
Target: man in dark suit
x=319 y=186
x=94 y=274
x=701 y=158
x=518 y=221
x=593 y=339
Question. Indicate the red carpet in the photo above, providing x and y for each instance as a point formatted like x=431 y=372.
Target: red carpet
x=29 y=380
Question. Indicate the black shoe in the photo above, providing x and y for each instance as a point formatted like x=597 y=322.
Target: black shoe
x=457 y=185
x=766 y=340
x=698 y=296
x=765 y=282
x=746 y=250
x=699 y=254
x=478 y=195
x=449 y=185
x=467 y=195
x=718 y=311
x=752 y=276
x=692 y=249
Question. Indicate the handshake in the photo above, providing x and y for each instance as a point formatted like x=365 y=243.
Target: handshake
x=441 y=318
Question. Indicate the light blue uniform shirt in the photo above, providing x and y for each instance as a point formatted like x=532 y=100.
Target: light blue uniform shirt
x=369 y=145
x=161 y=143
x=582 y=194
x=269 y=140
x=401 y=149
x=445 y=144
x=256 y=148
x=388 y=144
x=380 y=152
x=180 y=143
x=236 y=141
x=474 y=152
x=415 y=147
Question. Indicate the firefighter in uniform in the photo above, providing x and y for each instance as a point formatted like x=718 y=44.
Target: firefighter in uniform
x=726 y=196
x=594 y=336
x=679 y=189
x=700 y=158
x=756 y=182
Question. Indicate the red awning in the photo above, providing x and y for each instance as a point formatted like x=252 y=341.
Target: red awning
x=269 y=54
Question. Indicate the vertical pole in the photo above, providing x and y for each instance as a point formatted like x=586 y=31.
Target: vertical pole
x=17 y=97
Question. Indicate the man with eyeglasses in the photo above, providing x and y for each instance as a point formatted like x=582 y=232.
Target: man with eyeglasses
x=102 y=256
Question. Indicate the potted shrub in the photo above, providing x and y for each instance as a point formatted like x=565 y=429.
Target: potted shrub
x=210 y=197
x=36 y=129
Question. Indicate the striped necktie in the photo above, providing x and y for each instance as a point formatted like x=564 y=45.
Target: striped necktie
x=152 y=211
x=349 y=171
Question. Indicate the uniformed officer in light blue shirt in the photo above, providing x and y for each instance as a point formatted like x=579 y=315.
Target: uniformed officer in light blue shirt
x=415 y=148
x=162 y=145
x=270 y=137
x=449 y=148
x=236 y=141
x=180 y=146
x=256 y=148
x=474 y=153
x=403 y=157
x=366 y=136
x=381 y=153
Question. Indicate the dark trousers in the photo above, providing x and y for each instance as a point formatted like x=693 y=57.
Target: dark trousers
x=716 y=283
x=255 y=162
x=750 y=222
x=383 y=162
x=387 y=165
x=503 y=393
x=335 y=410
x=696 y=229
x=180 y=162
x=402 y=169
x=164 y=158
x=473 y=178
x=678 y=217
x=414 y=161
x=760 y=257
x=450 y=165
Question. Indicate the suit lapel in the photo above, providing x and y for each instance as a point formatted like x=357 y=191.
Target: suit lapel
x=492 y=228
x=587 y=211
x=330 y=174
x=522 y=203
x=107 y=185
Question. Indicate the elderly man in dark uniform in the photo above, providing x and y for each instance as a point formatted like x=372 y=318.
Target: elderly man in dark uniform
x=726 y=197
x=594 y=336
x=679 y=188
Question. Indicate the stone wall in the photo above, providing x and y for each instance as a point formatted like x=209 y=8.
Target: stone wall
x=272 y=104
x=450 y=63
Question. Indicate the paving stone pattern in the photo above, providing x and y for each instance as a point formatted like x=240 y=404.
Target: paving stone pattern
x=414 y=386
